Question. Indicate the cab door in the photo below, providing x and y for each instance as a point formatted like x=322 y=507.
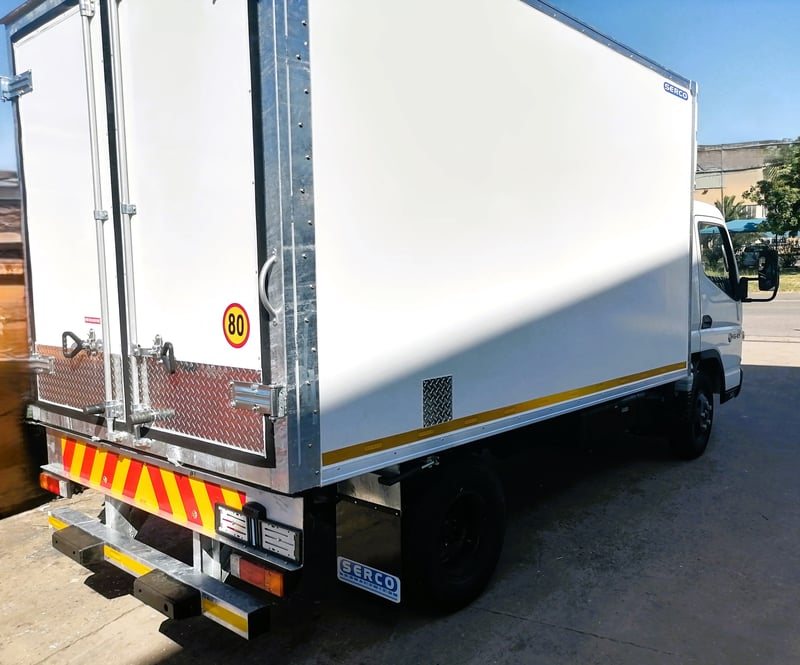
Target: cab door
x=719 y=315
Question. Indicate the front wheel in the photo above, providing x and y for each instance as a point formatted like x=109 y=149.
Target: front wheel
x=453 y=528
x=691 y=430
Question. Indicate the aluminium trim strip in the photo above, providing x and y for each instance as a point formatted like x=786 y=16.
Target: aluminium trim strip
x=287 y=152
x=100 y=215
x=413 y=436
x=610 y=42
x=33 y=14
x=137 y=371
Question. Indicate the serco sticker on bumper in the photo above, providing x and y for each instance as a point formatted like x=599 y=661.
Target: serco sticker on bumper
x=174 y=496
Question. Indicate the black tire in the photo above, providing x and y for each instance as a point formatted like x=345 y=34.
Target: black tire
x=453 y=529
x=691 y=430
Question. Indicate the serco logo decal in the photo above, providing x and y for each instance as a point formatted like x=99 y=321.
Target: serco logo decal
x=674 y=90
x=369 y=578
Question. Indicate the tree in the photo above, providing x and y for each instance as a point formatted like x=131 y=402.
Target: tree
x=779 y=191
x=731 y=208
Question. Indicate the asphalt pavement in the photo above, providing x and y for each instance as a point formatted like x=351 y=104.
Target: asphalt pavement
x=615 y=553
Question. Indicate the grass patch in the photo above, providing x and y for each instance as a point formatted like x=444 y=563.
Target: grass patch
x=790 y=282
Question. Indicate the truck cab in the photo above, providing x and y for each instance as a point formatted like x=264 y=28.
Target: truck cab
x=716 y=306
x=716 y=334
x=718 y=291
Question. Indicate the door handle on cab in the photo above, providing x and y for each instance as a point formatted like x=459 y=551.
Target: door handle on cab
x=706 y=322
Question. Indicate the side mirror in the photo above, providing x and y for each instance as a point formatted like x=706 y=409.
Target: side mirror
x=768 y=274
x=768 y=277
x=741 y=294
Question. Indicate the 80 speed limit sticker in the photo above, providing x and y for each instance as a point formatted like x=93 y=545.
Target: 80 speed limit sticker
x=236 y=325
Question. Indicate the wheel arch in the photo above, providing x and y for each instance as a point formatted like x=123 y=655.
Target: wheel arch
x=709 y=363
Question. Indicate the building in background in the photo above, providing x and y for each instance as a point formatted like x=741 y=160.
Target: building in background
x=730 y=169
x=10 y=231
x=19 y=470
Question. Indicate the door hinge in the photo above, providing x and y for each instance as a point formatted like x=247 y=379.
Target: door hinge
x=87 y=8
x=40 y=364
x=12 y=87
x=266 y=400
x=36 y=363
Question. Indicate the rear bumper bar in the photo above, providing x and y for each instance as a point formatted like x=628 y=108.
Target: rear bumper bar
x=170 y=586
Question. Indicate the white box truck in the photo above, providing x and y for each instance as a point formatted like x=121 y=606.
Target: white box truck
x=292 y=265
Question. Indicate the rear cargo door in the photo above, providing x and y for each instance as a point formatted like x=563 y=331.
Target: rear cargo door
x=179 y=315
x=183 y=112
x=70 y=239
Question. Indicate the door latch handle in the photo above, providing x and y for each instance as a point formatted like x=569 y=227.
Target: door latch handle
x=91 y=344
x=167 y=357
x=162 y=351
x=706 y=322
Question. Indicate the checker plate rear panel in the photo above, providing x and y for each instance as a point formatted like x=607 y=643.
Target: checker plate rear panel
x=199 y=394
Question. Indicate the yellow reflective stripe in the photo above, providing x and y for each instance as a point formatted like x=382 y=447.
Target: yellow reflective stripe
x=77 y=460
x=56 y=523
x=126 y=562
x=174 y=495
x=204 y=506
x=120 y=476
x=231 y=499
x=97 y=467
x=225 y=616
x=145 y=493
x=389 y=442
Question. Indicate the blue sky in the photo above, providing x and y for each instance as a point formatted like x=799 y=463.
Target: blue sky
x=745 y=55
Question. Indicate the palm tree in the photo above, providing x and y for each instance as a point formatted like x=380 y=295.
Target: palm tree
x=731 y=208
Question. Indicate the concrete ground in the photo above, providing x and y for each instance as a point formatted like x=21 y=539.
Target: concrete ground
x=615 y=553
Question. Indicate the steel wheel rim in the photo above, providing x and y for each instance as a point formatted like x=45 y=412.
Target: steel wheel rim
x=704 y=414
x=462 y=532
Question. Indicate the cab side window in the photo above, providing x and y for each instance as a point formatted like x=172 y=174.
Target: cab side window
x=715 y=255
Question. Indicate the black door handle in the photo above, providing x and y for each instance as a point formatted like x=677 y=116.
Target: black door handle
x=707 y=321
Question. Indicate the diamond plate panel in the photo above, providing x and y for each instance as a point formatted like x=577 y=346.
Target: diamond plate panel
x=200 y=395
x=437 y=400
x=77 y=382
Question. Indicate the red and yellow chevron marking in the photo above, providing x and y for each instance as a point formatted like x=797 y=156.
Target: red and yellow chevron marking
x=174 y=496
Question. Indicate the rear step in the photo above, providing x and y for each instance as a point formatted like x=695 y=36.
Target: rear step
x=170 y=586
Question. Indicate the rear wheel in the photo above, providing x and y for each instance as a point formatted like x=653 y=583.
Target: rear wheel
x=453 y=529
x=691 y=430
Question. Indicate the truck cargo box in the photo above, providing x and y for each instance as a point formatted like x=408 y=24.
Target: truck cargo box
x=450 y=240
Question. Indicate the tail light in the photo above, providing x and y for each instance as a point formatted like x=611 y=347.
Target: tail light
x=258 y=575
x=55 y=484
